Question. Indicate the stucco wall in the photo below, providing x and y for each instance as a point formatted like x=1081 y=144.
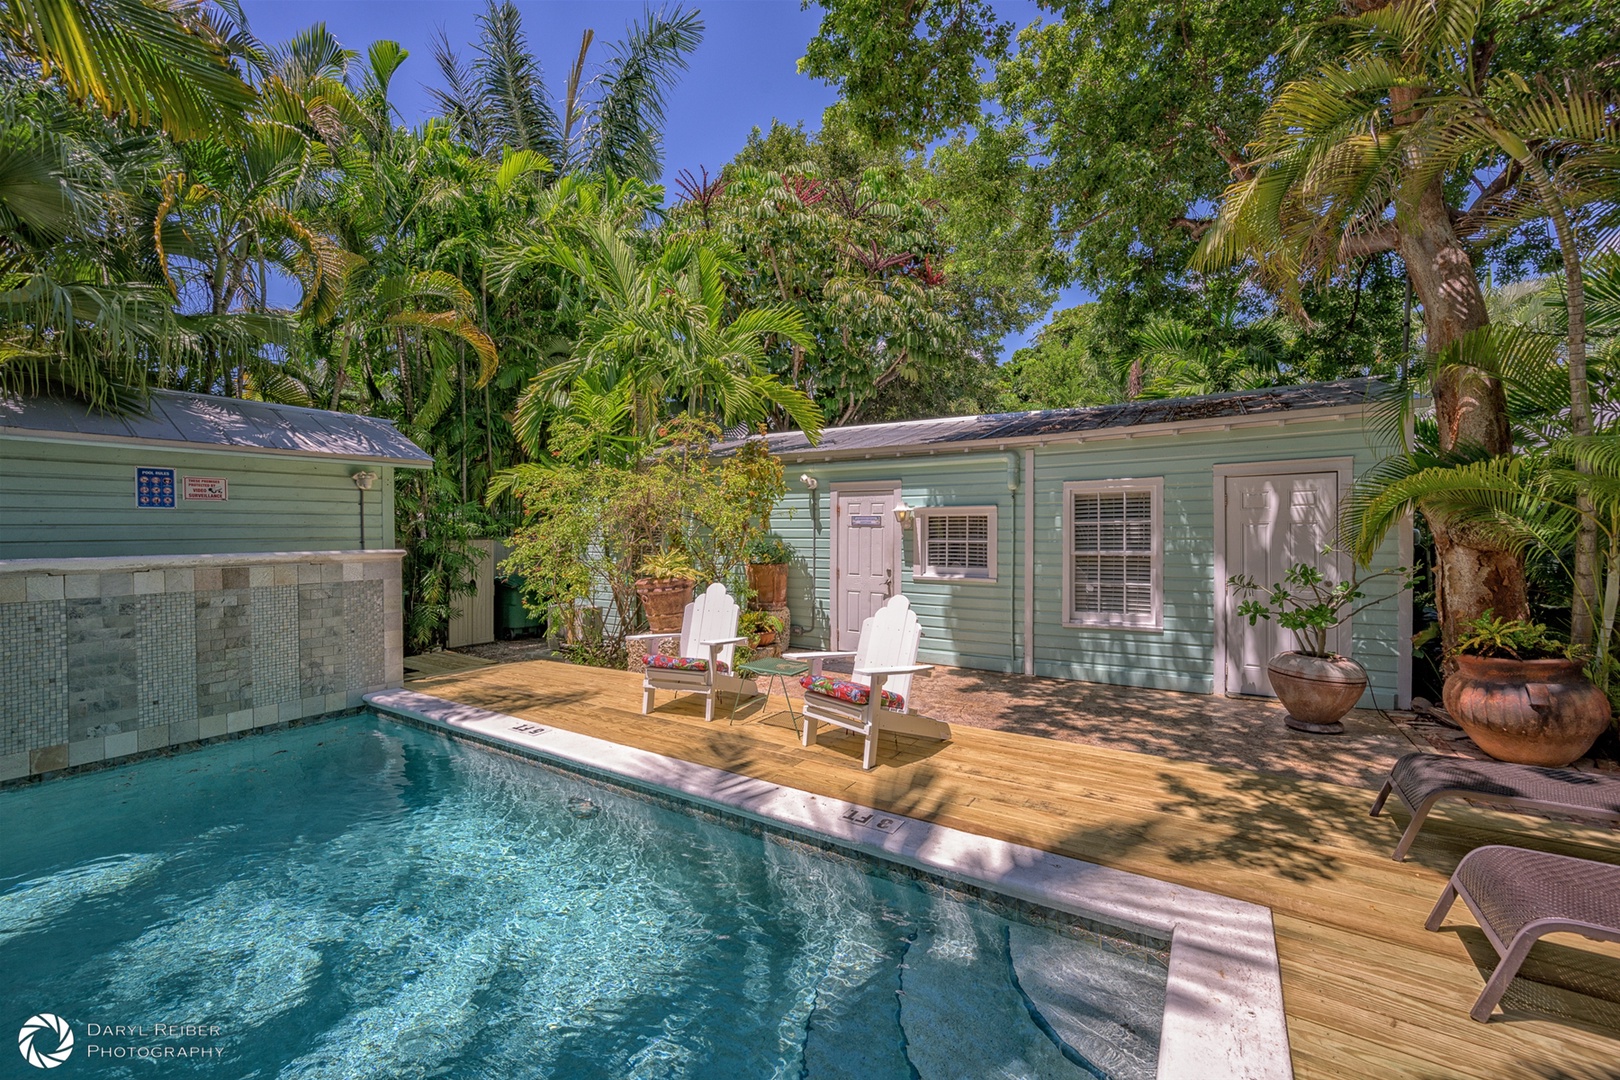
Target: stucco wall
x=104 y=658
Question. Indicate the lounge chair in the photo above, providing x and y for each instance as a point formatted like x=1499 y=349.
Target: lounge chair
x=1519 y=896
x=1422 y=779
x=872 y=700
x=703 y=666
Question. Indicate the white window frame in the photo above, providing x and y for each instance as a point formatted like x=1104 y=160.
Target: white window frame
x=1154 y=485
x=920 y=569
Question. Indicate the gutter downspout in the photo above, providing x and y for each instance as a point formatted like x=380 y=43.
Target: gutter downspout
x=1029 y=561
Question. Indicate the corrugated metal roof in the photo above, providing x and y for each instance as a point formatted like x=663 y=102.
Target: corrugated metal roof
x=993 y=427
x=198 y=420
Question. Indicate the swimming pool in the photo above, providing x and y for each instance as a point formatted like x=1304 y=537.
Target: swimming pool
x=362 y=898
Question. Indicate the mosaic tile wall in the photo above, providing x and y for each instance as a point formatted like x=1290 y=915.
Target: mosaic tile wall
x=102 y=661
x=33 y=676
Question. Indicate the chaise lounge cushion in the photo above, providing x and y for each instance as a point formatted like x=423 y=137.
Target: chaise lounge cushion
x=684 y=663
x=852 y=692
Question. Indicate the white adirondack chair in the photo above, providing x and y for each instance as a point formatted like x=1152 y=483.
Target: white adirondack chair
x=708 y=639
x=885 y=660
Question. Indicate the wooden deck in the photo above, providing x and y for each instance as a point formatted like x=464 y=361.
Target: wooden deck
x=1369 y=992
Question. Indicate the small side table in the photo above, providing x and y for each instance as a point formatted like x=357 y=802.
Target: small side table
x=774 y=670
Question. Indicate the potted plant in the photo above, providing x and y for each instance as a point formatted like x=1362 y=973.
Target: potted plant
x=761 y=628
x=1316 y=686
x=1520 y=694
x=768 y=557
x=665 y=588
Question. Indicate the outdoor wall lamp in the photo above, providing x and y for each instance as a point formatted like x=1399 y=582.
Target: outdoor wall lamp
x=904 y=514
x=362 y=482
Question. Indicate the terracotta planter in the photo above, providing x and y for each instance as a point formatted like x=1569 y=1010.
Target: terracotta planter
x=664 y=600
x=1531 y=712
x=763 y=638
x=1316 y=690
x=769 y=582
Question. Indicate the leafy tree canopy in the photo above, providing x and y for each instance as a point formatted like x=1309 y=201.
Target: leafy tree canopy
x=1132 y=117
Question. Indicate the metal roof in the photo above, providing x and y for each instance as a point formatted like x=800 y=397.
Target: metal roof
x=1055 y=423
x=199 y=421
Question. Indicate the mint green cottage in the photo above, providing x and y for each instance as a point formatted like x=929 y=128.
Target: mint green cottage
x=249 y=476
x=197 y=569
x=1092 y=544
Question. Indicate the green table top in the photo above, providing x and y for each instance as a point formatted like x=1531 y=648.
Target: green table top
x=773 y=665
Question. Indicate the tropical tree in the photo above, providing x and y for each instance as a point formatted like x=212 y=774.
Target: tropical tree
x=1176 y=360
x=499 y=99
x=659 y=325
x=1067 y=365
x=892 y=267
x=1356 y=158
x=165 y=63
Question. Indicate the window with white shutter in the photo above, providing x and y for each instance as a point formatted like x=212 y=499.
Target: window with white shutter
x=956 y=543
x=1113 y=533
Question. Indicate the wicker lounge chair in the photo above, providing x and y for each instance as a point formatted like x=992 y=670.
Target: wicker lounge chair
x=1519 y=896
x=1421 y=780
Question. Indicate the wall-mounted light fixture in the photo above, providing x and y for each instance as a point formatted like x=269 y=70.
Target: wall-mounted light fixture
x=362 y=482
x=904 y=514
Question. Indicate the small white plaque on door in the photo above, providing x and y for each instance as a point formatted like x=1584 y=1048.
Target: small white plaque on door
x=866 y=521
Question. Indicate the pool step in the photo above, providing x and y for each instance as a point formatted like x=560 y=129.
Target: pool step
x=1100 y=1005
x=958 y=970
x=852 y=1032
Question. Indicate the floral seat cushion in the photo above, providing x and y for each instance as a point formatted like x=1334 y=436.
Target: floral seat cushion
x=685 y=663
x=852 y=692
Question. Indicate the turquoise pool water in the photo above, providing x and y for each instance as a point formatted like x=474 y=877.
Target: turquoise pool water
x=364 y=899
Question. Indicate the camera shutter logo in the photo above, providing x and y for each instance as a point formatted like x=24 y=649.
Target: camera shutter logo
x=41 y=1059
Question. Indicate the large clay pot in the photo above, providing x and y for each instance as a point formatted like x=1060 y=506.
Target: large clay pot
x=769 y=582
x=664 y=600
x=1316 y=690
x=1532 y=712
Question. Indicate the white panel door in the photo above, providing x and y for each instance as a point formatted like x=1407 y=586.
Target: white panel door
x=866 y=568
x=1272 y=522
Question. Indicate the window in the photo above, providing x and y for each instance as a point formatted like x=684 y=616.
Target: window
x=956 y=543
x=1113 y=532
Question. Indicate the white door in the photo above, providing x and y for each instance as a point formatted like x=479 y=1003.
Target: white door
x=1272 y=522
x=866 y=558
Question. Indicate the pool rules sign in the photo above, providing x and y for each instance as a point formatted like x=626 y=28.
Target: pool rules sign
x=156 y=489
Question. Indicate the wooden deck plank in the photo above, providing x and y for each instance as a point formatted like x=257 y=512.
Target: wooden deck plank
x=1368 y=991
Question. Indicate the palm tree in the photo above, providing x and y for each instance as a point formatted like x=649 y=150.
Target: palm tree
x=1344 y=167
x=499 y=100
x=1541 y=499
x=162 y=62
x=659 y=326
x=1176 y=360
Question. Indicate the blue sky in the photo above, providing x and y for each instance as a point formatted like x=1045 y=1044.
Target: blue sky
x=741 y=77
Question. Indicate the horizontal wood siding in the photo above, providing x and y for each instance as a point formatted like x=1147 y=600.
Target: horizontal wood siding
x=1181 y=655
x=62 y=500
x=979 y=625
x=968 y=624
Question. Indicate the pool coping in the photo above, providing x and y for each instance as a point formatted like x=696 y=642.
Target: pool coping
x=1223 y=1014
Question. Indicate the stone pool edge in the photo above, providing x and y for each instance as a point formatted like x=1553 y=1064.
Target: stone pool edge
x=1223 y=1013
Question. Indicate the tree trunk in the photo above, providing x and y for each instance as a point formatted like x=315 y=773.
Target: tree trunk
x=1472 y=576
x=1583 y=600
